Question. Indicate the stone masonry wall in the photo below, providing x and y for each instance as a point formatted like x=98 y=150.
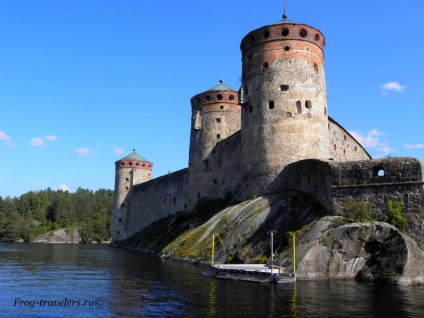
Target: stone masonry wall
x=156 y=199
x=343 y=147
x=374 y=182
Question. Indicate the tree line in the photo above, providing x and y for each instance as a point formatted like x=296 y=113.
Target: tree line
x=38 y=212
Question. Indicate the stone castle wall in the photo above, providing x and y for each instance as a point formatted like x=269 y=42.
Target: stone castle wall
x=343 y=147
x=156 y=199
x=335 y=185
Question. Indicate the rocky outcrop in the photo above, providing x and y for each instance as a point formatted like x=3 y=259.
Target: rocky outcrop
x=328 y=247
x=374 y=251
x=59 y=236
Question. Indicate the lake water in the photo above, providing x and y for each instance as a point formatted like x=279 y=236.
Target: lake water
x=55 y=280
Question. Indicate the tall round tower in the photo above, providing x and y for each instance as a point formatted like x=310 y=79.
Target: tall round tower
x=129 y=171
x=216 y=114
x=284 y=115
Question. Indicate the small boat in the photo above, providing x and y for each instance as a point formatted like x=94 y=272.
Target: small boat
x=258 y=273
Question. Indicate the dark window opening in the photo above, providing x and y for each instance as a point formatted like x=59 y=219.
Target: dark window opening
x=316 y=67
x=335 y=147
x=215 y=181
x=250 y=109
x=316 y=37
x=219 y=96
x=117 y=232
x=218 y=136
x=127 y=179
x=308 y=104
x=264 y=65
x=221 y=107
x=284 y=88
x=122 y=164
x=231 y=97
x=175 y=199
x=207 y=97
x=303 y=33
x=287 y=48
x=126 y=188
x=120 y=220
x=299 y=107
x=218 y=120
x=198 y=194
x=271 y=104
x=136 y=163
x=206 y=163
x=252 y=38
x=285 y=32
x=289 y=114
x=265 y=34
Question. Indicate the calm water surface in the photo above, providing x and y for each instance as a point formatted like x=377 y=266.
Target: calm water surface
x=55 y=280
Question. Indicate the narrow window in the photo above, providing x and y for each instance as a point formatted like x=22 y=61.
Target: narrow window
x=250 y=109
x=335 y=147
x=316 y=67
x=175 y=200
x=264 y=65
x=271 y=104
x=308 y=104
x=218 y=136
x=284 y=88
x=215 y=181
x=299 y=107
x=316 y=37
x=120 y=220
x=218 y=120
x=206 y=164
x=325 y=110
x=198 y=194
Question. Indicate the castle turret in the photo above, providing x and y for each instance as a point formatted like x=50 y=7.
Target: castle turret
x=284 y=115
x=216 y=114
x=129 y=171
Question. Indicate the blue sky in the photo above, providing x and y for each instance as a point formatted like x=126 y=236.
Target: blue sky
x=83 y=82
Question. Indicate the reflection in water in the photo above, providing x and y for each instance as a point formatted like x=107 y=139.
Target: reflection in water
x=212 y=299
x=294 y=303
x=137 y=285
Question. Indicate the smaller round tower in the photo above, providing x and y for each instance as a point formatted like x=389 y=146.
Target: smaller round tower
x=129 y=171
x=216 y=115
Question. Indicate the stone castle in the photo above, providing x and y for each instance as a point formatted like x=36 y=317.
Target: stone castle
x=272 y=135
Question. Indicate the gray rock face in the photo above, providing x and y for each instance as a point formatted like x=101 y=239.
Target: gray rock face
x=59 y=236
x=373 y=251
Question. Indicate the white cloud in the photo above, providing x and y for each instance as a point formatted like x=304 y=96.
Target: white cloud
x=64 y=187
x=393 y=86
x=417 y=146
x=3 y=135
x=83 y=151
x=51 y=137
x=117 y=150
x=375 y=139
x=37 y=142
